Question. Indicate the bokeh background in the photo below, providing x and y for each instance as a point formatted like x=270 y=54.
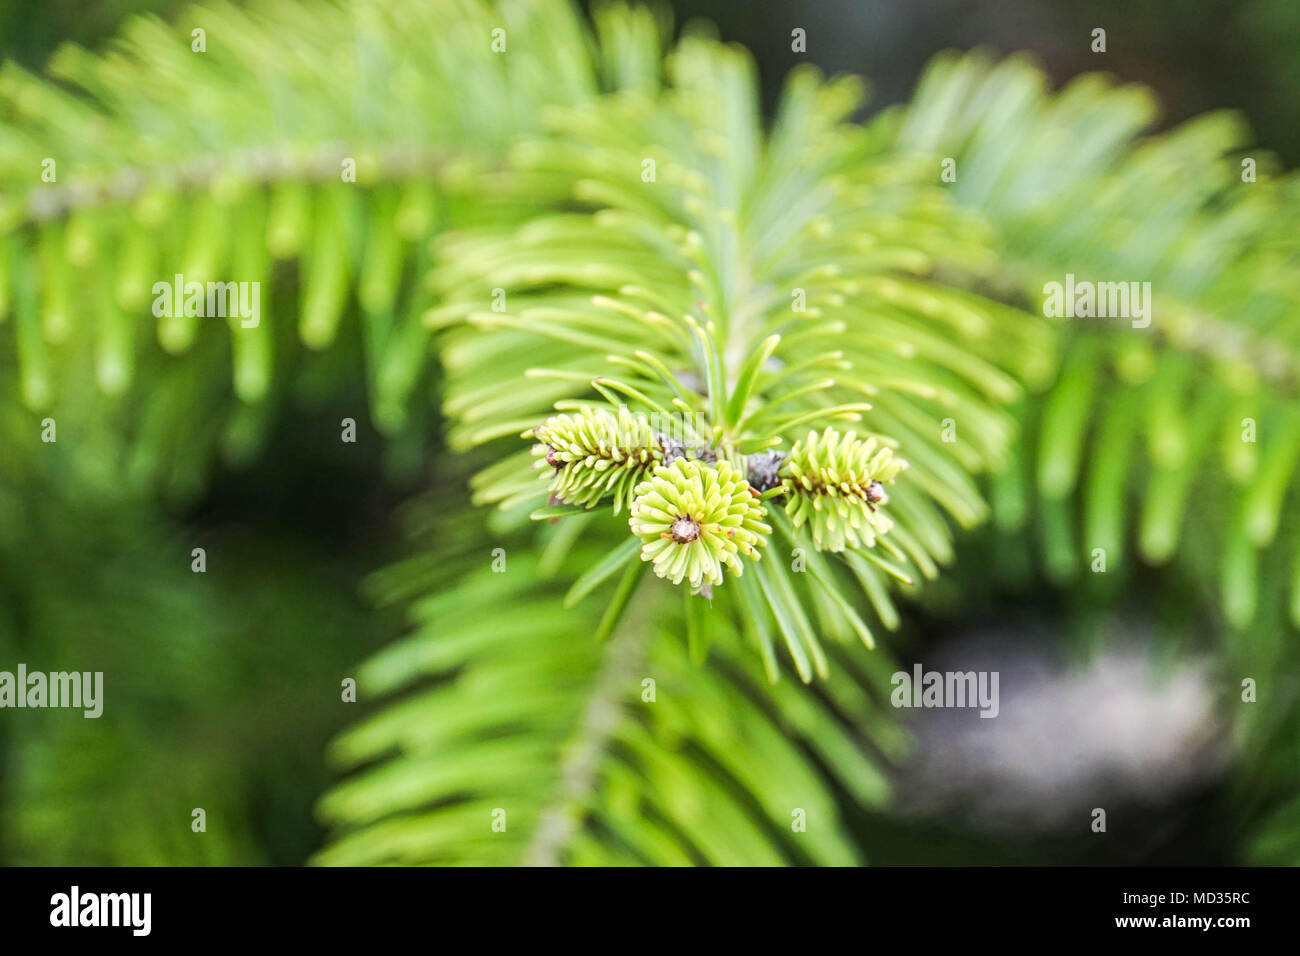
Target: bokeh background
x=299 y=531
x=1197 y=55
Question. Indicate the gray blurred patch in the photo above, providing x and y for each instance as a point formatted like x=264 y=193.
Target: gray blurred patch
x=1111 y=731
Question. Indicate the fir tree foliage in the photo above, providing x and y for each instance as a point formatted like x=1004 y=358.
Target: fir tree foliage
x=592 y=240
x=759 y=283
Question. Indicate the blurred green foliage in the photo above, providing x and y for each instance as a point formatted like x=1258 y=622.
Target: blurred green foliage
x=224 y=687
